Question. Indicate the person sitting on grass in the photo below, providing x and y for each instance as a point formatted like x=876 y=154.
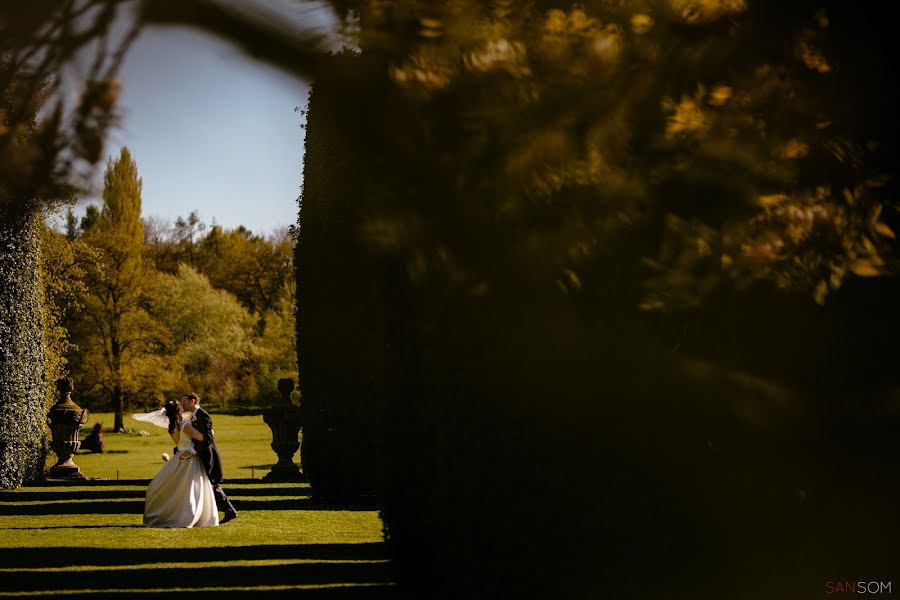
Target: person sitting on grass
x=94 y=440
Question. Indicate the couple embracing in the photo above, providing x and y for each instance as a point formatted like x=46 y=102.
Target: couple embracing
x=187 y=491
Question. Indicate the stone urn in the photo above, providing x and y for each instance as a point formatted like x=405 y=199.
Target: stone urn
x=284 y=421
x=65 y=419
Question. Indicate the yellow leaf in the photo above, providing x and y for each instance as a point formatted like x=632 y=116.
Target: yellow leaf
x=876 y=213
x=864 y=268
x=877 y=181
x=884 y=230
x=430 y=23
x=719 y=95
x=772 y=199
x=651 y=304
x=848 y=196
x=872 y=250
x=574 y=280
x=820 y=292
x=795 y=148
x=641 y=24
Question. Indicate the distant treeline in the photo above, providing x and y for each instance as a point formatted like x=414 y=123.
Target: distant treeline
x=143 y=309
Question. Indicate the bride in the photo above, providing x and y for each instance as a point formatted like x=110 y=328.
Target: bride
x=181 y=494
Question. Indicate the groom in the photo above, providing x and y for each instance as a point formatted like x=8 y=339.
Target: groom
x=207 y=452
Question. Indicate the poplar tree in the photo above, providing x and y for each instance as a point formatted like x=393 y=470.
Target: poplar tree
x=121 y=212
x=116 y=308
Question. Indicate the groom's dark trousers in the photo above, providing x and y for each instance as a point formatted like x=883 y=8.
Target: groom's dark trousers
x=222 y=501
x=209 y=457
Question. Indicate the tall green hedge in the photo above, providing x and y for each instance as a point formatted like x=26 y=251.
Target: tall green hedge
x=340 y=341
x=525 y=441
x=23 y=386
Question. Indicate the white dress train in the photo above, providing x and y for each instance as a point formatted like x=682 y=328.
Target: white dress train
x=181 y=495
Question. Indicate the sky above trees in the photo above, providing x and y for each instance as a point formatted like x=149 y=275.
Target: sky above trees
x=212 y=131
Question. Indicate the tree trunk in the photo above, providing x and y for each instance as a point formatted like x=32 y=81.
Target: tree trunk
x=119 y=424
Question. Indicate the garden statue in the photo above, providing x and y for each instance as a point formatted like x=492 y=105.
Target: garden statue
x=66 y=419
x=284 y=421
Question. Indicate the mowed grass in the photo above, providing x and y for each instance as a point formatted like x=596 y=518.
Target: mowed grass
x=243 y=443
x=87 y=538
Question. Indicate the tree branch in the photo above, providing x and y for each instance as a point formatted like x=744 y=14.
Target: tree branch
x=298 y=52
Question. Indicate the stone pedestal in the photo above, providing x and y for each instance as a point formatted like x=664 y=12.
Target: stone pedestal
x=284 y=421
x=65 y=419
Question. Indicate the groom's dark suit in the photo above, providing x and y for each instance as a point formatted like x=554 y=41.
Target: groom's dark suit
x=209 y=458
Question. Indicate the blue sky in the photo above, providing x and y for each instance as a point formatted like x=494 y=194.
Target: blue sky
x=210 y=130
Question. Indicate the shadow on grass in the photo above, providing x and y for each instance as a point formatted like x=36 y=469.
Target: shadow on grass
x=366 y=565
x=92 y=482
x=54 y=557
x=86 y=482
x=345 y=592
x=359 y=571
x=101 y=494
x=136 y=506
x=267 y=491
x=73 y=527
x=43 y=496
x=207 y=576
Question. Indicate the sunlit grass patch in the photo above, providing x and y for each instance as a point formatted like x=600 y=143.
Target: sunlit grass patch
x=81 y=538
x=243 y=443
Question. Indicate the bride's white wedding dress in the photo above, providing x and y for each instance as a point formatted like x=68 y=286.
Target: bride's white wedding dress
x=181 y=495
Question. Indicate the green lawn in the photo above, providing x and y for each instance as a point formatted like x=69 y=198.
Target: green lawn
x=83 y=538
x=243 y=443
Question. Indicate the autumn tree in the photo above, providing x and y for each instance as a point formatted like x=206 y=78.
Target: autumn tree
x=90 y=219
x=211 y=336
x=122 y=330
x=66 y=263
x=255 y=268
x=275 y=347
x=188 y=230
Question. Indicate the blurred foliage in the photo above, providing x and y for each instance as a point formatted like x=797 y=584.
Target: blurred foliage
x=620 y=119
x=46 y=160
x=52 y=127
x=751 y=156
x=562 y=314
